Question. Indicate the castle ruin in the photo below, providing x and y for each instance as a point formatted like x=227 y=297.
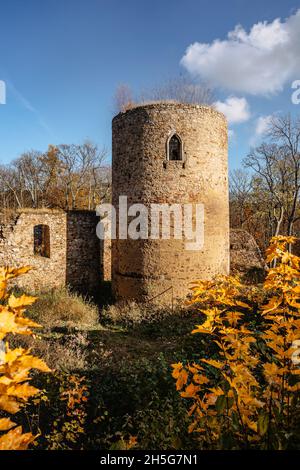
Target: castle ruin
x=62 y=247
x=162 y=153
x=170 y=153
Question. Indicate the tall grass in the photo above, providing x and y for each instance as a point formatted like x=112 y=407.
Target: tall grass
x=60 y=307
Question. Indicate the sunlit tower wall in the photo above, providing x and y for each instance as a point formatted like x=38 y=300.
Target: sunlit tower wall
x=170 y=153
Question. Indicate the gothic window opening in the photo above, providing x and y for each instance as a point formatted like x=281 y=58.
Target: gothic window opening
x=41 y=237
x=175 y=148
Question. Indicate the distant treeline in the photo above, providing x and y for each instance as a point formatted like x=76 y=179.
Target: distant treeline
x=65 y=176
x=264 y=195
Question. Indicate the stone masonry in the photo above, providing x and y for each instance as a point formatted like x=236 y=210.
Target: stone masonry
x=63 y=247
x=75 y=256
x=142 y=171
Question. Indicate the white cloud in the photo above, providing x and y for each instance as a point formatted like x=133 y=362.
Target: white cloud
x=232 y=138
x=235 y=109
x=262 y=125
x=259 y=62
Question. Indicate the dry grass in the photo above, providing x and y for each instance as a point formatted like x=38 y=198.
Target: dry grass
x=59 y=307
x=145 y=102
x=72 y=338
x=133 y=313
x=39 y=210
x=67 y=352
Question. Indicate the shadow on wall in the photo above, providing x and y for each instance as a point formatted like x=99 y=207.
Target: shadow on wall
x=83 y=255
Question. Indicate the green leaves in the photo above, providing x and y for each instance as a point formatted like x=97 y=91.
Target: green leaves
x=263 y=423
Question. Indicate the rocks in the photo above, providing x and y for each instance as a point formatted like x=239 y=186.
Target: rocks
x=245 y=256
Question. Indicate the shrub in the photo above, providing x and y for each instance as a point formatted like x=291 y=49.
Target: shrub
x=137 y=399
x=60 y=307
x=15 y=364
x=247 y=394
x=68 y=426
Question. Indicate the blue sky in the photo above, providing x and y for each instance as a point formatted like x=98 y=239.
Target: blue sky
x=63 y=59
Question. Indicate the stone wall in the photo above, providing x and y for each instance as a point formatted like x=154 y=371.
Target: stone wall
x=75 y=257
x=106 y=259
x=143 y=269
x=83 y=256
x=244 y=253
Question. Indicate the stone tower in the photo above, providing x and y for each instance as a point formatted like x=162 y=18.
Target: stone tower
x=170 y=153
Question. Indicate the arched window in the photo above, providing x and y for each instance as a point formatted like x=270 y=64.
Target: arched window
x=175 y=148
x=41 y=240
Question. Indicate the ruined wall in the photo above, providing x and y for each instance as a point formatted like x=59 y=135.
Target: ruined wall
x=17 y=248
x=74 y=249
x=106 y=259
x=143 y=269
x=83 y=257
x=244 y=252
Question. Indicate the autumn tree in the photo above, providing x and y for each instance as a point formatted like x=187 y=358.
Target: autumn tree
x=81 y=171
x=65 y=176
x=245 y=393
x=16 y=364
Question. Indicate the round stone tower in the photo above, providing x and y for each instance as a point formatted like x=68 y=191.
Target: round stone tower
x=170 y=153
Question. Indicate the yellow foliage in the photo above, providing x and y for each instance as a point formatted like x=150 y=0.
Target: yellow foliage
x=251 y=381
x=16 y=364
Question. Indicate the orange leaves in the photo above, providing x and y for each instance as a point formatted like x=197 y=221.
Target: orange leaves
x=208 y=329
x=221 y=290
x=16 y=440
x=247 y=388
x=19 y=359
x=10 y=322
x=278 y=248
x=272 y=305
x=16 y=364
x=214 y=363
x=180 y=374
x=14 y=377
x=75 y=395
x=190 y=391
x=14 y=387
x=68 y=426
x=6 y=424
x=7 y=273
x=200 y=379
x=11 y=319
x=20 y=303
x=273 y=373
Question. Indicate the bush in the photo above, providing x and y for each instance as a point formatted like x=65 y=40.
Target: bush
x=137 y=399
x=246 y=395
x=16 y=365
